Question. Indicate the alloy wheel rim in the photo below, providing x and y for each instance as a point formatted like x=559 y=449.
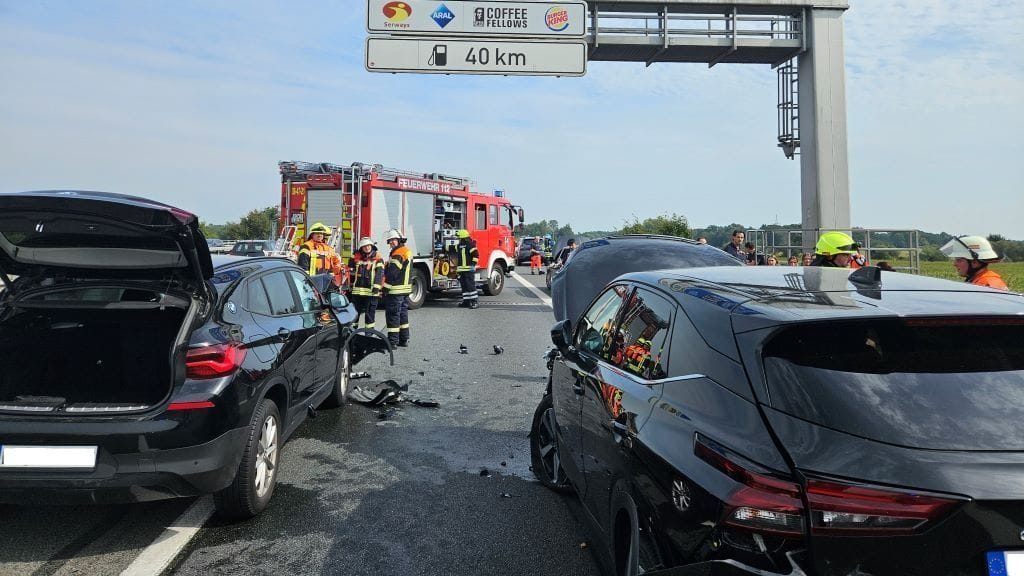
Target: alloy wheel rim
x=548 y=448
x=345 y=373
x=266 y=456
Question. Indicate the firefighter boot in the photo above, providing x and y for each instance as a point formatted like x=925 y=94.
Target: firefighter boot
x=473 y=305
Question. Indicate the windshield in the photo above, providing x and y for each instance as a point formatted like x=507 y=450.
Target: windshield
x=940 y=384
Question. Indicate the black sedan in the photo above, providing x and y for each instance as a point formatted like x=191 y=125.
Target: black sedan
x=792 y=421
x=135 y=367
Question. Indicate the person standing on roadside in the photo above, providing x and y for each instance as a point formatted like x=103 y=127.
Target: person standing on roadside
x=368 y=271
x=468 y=256
x=971 y=256
x=536 y=255
x=735 y=247
x=397 y=287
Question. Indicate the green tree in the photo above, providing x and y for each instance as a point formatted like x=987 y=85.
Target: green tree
x=666 y=225
x=257 y=224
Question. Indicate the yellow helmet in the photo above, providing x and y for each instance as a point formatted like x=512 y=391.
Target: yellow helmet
x=832 y=243
x=319 y=228
x=463 y=233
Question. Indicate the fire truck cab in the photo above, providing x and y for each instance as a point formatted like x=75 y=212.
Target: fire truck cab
x=369 y=199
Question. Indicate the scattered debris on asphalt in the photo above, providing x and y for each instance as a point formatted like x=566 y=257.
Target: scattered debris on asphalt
x=506 y=495
x=463 y=349
x=498 y=349
x=358 y=375
x=387 y=393
x=485 y=473
x=503 y=463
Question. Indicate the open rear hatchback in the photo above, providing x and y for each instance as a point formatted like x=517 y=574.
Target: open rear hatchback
x=99 y=295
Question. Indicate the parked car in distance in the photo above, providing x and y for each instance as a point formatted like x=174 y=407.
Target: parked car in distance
x=791 y=421
x=251 y=248
x=217 y=246
x=133 y=366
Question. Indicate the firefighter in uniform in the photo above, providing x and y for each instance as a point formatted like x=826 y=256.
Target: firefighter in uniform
x=971 y=256
x=397 y=287
x=834 y=250
x=368 y=277
x=468 y=257
x=317 y=257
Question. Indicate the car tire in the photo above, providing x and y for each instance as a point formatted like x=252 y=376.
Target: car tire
x=545 y=457
x=495 y=280
x=633 y=550
x=250 y=491
x=420 y=286
x=342 y=380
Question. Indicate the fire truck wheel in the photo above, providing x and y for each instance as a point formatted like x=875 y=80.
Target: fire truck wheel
x=496 y=280
x=419 y=289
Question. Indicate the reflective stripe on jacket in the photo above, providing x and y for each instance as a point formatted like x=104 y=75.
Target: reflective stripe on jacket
x=468 y=256
x=398 y=272
x=318 y=257
x=369 y=274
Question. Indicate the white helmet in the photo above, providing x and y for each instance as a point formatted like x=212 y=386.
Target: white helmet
x=365 y=241
x=393 y=234
x=971 y=248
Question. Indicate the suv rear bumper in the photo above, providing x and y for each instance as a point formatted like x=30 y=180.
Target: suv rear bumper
x=132 y=477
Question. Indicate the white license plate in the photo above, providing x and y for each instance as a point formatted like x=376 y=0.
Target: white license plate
x=48 y=456
x=1005 y=563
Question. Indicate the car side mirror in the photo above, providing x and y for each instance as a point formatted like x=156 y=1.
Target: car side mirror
x=338 y=301
x=561 y=334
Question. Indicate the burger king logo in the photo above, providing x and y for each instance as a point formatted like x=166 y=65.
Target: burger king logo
x=556 y=18
x=397 y=11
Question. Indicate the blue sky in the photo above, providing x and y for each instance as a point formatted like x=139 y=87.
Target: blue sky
x=194 y=104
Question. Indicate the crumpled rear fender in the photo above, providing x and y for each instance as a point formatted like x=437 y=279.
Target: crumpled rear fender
x=365 y=341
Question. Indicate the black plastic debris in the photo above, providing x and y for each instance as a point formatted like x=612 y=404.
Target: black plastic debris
x=421 y=373
x=426 y=403
x=387 y=393
x=503 y=463
x=485 y=473
x=498 y=349
x=463 y=349
x=506 y=495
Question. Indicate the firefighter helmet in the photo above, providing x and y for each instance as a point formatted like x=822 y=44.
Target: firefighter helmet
x=393 y=234
x=832 y=243
x=319 y=228
x=463 y=233
x=365 y=241
x=971 y=248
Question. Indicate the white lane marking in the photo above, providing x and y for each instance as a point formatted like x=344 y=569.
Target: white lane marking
x=533 y=289
x=159 y=555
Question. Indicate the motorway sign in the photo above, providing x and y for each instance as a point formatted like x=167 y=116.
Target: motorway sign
x=470 y=56
x=484 y=18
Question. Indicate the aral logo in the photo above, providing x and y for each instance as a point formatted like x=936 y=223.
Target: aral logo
x=397 y=11
x=443 y=16
x=557 y=18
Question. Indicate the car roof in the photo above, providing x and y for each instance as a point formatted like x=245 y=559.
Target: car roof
x=773 y=294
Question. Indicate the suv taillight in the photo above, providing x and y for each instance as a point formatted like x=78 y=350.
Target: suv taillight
x=213 y=361
x=766 y=503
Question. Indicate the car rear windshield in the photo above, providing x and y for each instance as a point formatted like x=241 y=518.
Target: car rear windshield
x=955 y=384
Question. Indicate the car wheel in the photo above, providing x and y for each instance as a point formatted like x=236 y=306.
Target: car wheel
x=419 y=289
x=495 y=281
x=544 y=454
x=256 y=477
x=633 y=547
x=339 y=395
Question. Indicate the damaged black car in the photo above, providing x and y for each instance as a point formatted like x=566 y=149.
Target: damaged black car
x=133 y=366
x=790 y=421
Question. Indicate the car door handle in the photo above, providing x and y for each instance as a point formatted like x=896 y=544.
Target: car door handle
x=619 y=427
x=284 y=333
x=578 y=389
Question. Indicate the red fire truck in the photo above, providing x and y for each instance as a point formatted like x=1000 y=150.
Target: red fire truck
x=369 y=199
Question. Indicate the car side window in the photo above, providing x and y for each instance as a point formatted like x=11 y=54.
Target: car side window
x=256 y=298
x=645 y=328
x=279 y=291
x=596 y=332
x=308 y=299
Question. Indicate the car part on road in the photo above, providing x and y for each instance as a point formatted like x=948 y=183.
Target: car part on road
x=463 y=349
x=498 y=349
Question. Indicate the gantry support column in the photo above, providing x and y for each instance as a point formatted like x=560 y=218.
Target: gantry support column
x=824 y=176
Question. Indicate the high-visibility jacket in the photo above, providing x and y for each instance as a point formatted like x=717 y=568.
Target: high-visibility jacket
x=318 y=258
x=990 y=278
x=368 y=273
x=398 y=271
x=468 y=255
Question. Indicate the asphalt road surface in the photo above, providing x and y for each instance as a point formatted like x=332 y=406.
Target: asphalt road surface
x=361 y=491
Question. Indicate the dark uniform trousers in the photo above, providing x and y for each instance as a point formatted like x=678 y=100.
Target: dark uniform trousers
x=468 y=281
x=396 y=313
x=366 y=306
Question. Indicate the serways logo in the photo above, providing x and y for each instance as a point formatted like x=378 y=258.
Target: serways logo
x=556 y=18
x=443 y=16
x=397 y=11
